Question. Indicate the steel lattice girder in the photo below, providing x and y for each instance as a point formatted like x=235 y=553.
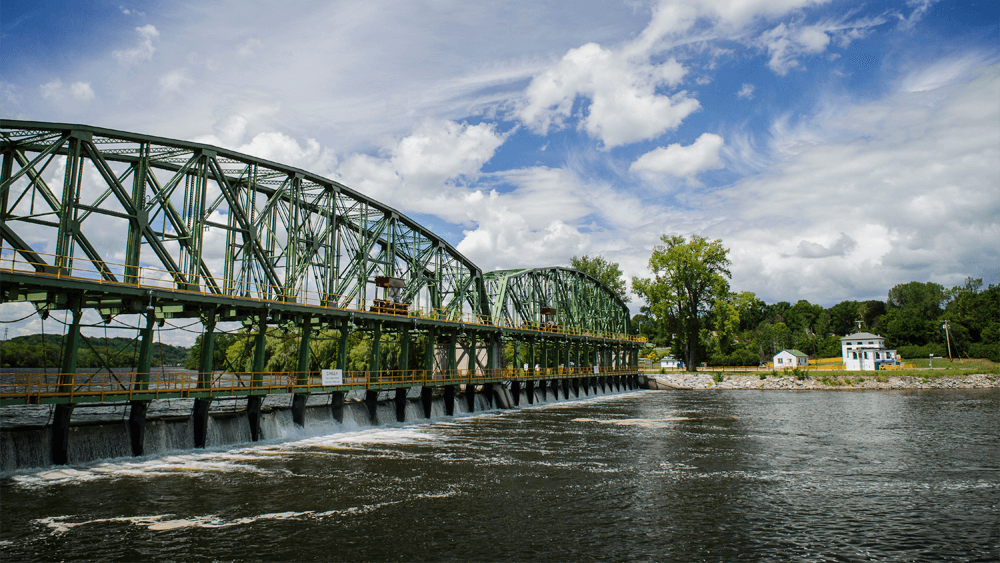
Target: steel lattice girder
x=214 y=221
x=580 y=300
x=233 y=226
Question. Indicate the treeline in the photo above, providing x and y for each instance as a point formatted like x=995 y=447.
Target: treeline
x=743 y=330
x=37 y=350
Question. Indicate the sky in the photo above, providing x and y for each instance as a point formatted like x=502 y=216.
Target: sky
x=835 y=148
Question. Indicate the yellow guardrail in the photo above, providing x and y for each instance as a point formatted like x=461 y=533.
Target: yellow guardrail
x=121 y=386
x=147 y=277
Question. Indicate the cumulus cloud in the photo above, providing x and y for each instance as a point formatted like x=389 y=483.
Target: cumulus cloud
x=281 y=148
x=78 y=91
x=681 y=161
x=840 y=247
x=423 y=171
x=746 y=92
x=629 y=96
x=141 y=52
x=624 y=104
x=911 y=183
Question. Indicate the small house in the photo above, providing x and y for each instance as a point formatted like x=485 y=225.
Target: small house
x=667 y=362
x=864 y=351
x=790 y=359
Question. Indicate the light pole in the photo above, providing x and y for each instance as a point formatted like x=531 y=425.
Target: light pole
x=947 y=336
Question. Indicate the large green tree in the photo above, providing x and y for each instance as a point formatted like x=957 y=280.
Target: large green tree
x=606 y=272
x=688 y=277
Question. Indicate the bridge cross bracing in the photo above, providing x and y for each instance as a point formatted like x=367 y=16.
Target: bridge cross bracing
x=129 y=224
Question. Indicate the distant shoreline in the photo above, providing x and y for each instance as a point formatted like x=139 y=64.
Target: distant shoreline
x=881 y=381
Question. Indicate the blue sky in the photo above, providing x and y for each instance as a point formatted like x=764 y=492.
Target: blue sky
x=836 y=148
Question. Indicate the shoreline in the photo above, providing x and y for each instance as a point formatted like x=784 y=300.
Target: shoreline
x=703 y=381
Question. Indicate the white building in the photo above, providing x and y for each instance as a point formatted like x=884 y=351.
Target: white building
x=790 y=359
x=864 y=351
x=667 y=362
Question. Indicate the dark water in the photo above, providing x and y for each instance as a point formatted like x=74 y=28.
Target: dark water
x=656 y=476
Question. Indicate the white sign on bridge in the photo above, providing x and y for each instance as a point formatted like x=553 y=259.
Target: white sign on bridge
x=596 y=370
x=333 y=377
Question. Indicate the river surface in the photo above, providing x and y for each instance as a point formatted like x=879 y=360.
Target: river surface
x=651 y=476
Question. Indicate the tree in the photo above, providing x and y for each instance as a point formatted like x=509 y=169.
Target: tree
x=605 y=272
x=923 y=299
x=688 y=277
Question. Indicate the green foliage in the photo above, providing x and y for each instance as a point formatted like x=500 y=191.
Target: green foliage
x=689 y=276
x=29 y=351
x=718 y=377
x=608 y=273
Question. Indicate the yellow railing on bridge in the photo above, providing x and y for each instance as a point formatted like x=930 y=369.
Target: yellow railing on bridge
x=152 y=278
x=121 y=386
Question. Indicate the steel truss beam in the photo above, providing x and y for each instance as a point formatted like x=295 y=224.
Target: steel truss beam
x=97 y=205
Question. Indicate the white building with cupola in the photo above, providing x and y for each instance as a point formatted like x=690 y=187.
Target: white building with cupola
x=864 y=351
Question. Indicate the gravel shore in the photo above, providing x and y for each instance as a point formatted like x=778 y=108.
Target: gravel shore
x=753 y=381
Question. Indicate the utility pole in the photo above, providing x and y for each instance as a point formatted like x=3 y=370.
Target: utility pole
x=947 y=335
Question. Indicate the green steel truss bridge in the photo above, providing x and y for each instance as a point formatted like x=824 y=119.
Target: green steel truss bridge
x=140 y=227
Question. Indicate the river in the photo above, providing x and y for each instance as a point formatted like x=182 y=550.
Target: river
x=647 y=475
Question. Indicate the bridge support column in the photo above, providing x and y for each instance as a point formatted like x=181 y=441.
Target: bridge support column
x=337 y=406
x=554 y=385
x=543 y=387
x=400 y=400
x=206 y=363
x=257 y=379
x=426 y=395
x=371 y=402
x=565 y=386
x=60 y=433
x=137 y=425
x=449 y=400
x=470 y=397
x=200 y=421
x=253 y=415
x=299 y=408
x=375 y=360
x=302 y=377
x=530 y=391
x=404 y=355
x=576 y=387
x=63 y=412
x=515 y=390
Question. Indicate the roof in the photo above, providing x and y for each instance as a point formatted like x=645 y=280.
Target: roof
x=795 y=353
x=861 y=336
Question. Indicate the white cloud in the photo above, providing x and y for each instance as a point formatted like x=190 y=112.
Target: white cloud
x=785 y=44
x=280 y=148
x=681 y=161
x=624 y=104
x=746 y=92
x=82 y=91
x=77 y=91
x=141 y=52
x=174 y=81
x=422 y=172
x=249 y=47
x=51 y=90
x=911 y=184
x=840 y=247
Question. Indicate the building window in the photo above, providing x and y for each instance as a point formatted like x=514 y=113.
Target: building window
x=871 y=343
x=855 y=356
x=866 y=355
x=877 y=356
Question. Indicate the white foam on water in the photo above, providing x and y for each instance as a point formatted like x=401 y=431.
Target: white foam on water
x=59 y=525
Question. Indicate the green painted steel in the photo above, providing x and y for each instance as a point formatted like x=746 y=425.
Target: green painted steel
x=580 y=301
x=123 y=223
x=215 y=221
